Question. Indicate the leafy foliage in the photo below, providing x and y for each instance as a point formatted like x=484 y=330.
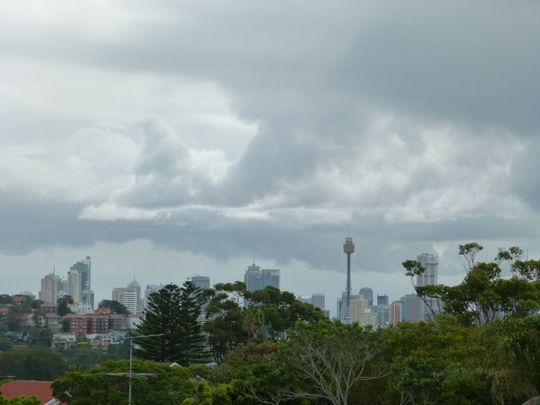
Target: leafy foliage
x=32 y=363
x=115 y=306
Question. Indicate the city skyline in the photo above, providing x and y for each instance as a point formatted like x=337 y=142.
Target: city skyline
x=366 y=293
x=270 y=134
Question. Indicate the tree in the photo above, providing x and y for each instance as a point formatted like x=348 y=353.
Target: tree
x=484 y=294
x=281 y=311
x=224 y=321
x=63 y=305
x=108 y=384
x=33 y=363
x=174 y=313
x=330 y=358
x=5 y=344
x=115 y=306
x=20 y=401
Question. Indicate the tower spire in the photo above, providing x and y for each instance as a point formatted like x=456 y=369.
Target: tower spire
x=348 y=249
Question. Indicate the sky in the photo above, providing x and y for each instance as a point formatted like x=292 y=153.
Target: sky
x=173 y=138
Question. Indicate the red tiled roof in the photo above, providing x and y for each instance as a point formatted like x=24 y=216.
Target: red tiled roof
x=24 y=388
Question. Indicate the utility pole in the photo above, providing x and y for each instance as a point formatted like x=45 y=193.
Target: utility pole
x=130 y=375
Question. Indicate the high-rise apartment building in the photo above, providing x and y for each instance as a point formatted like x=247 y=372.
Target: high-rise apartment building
x=49 y=291
x=203 y=282
x=74 y=286
x=129 y=296
x=270 y=277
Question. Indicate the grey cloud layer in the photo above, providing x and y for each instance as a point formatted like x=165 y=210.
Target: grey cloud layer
x=225 y=127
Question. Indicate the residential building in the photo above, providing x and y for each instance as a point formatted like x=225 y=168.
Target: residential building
x=48 y=292
x=129 y=296
x=74 y=286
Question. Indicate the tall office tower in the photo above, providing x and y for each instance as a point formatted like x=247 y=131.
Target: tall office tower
x=74 y=286
x=49 y=292
x=382 y=310
x=348 y=249
x=202 y=282
x=129 y=296
x=84 y=267
x=253 y=278
x=368 y=294
x=430 y=263
x=382 y=299
x=317 y=300
x=411 y=308
x=270 y=277
x=395 y=312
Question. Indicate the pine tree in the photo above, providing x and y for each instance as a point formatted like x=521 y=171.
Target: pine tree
x=191 y=342
x=173 y=312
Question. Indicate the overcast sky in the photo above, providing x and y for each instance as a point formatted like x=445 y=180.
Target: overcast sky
x=168 y=138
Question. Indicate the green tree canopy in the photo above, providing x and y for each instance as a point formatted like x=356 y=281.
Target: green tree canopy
x=33 y=363
x=115 y=306
x=174 y=313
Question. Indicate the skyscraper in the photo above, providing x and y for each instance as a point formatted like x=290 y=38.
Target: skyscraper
x=84 y=267
x=368 y=294
x=253 y=278
x=74 y=286
x=430 y=263
x=317 y=300
x=270 y=277
x=49 y=287
x=348 y=249
x=382 y=310
x=203 y=282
